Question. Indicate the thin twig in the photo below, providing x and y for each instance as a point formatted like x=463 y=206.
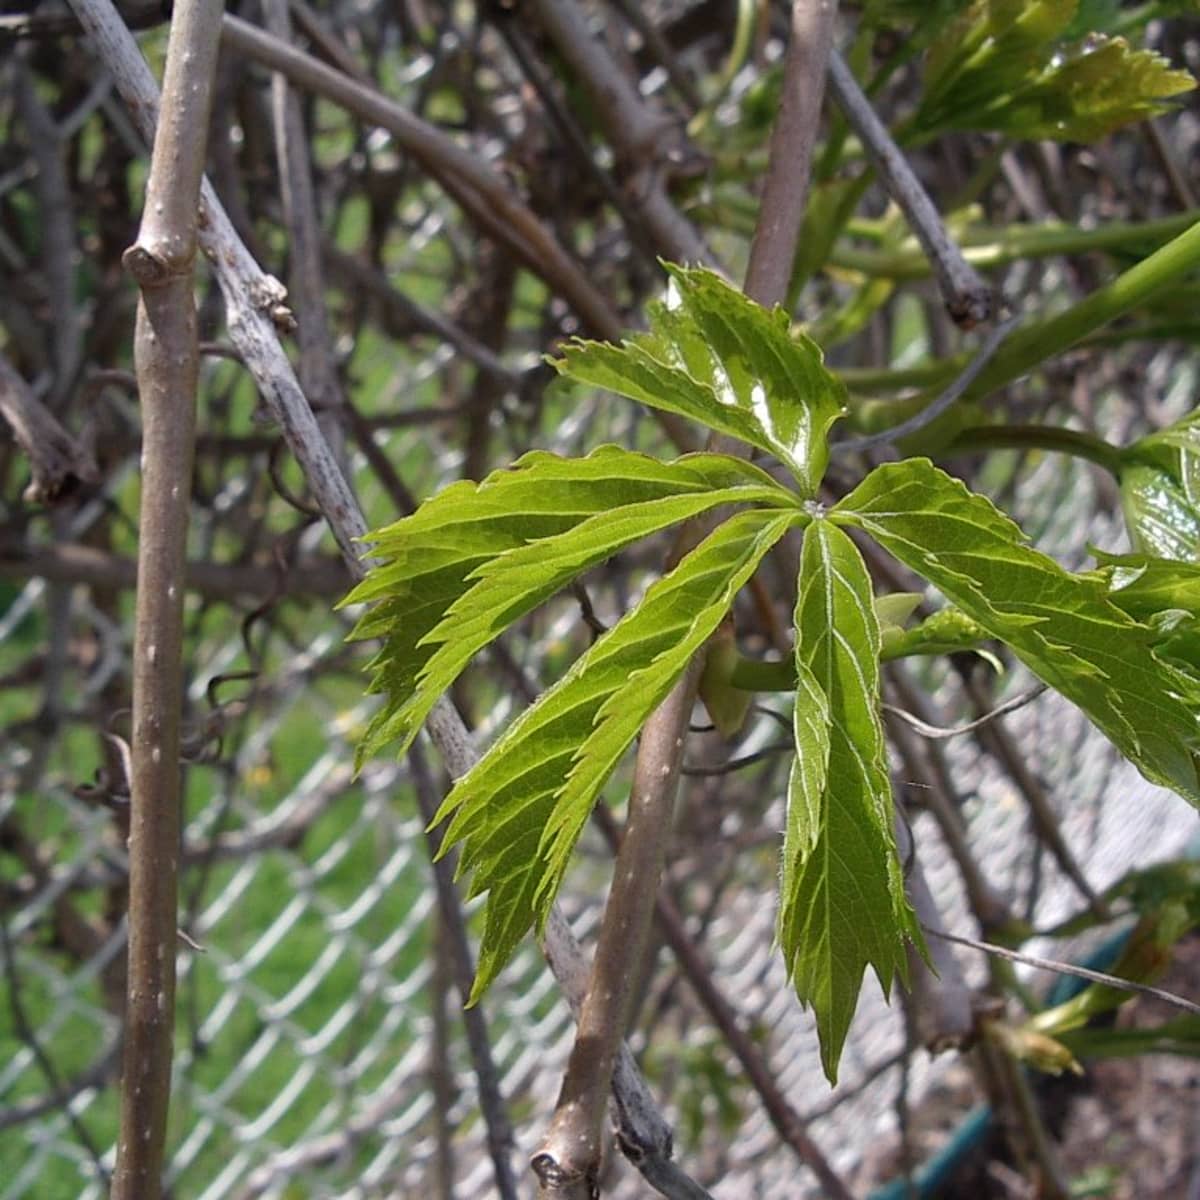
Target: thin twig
x=441 y=1071
x=162 y=261
x=253 y=299
x=58 y=461
x=318 y=375
x=574 y=137
x=996 y=739
x=60 y=1094
x=967 y=296
x=788 y=1123
x=1062 y=968
x=931 y=412
x=647 y=142
x=919 y=759
x=57 y=228
x=939 y=999
x=445 y=160
x=1011 y=1096
x=1178 y=181
x=694 y=771
x=942 y=732
x=73 y=562
x=400 y=313
x=658 y=46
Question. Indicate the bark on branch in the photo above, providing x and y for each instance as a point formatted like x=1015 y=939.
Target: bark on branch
x=58 y=462
x=167 y=362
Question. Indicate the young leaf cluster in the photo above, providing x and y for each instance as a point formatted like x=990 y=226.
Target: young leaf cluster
x=478 y=557
x=1006 y=66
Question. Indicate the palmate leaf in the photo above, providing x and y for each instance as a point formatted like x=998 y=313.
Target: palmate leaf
x=478 y=557
x=717 y=357
x=518 y=813
x=843 y=904
x=1002 y=66
x=1064 y=627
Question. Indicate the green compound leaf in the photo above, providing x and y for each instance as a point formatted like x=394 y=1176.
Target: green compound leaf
x=1064 y=627
x=1006 y=66
x=519 y=812
x=478 y=557
x=843 y=904
x=718 y=358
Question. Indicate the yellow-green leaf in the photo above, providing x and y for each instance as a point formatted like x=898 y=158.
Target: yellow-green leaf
x=1064 y=627
x=477 y=557
x=518 y=813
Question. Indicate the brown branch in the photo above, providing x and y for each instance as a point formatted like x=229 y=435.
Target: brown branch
x=59 y=463
x=400 y=315
x=50 y=20
x=73 y=562
x=785 y=195
x=93 y=1077
x=23 y=1028
x=445 y=160
x=574 y=136
x=924 y=763
x=249 y=296
x=788 y=1123
x=167 y=362
x=939 y=999
x=442 y=1084
x=997 y=741
x=253 y=299
x=1050 y=964
x=658 y=47
x=568 y=1162
x=1009 y=1091
x=500 y=1140
x=647 y=142
x=967 y=296
x=57 y=234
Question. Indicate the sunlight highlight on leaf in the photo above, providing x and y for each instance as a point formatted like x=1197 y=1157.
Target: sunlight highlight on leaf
x=716 y=357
